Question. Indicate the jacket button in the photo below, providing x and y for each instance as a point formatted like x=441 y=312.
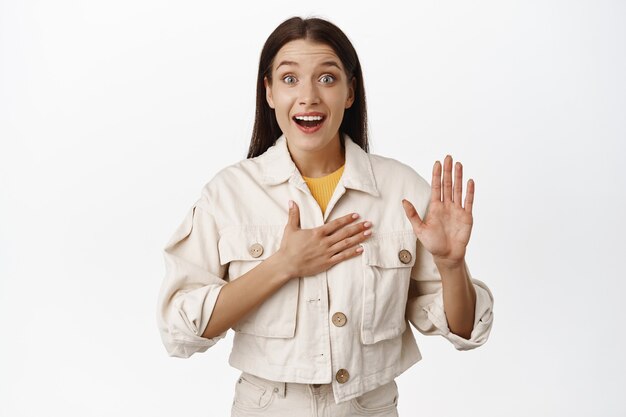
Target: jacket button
x=256 y=250
x=405 y=256
x=342 y=376
x=339 y=319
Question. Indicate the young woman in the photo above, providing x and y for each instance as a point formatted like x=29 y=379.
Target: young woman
x=316 y=252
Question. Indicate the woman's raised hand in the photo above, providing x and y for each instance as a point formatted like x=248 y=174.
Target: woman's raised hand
x=446 y=230
x=311 y=251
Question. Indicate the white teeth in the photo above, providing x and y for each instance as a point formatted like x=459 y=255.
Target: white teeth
x=308 y=118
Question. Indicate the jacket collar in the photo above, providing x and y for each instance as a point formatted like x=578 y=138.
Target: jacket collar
x=278 y=167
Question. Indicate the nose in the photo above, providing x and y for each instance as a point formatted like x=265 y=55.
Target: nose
x=309 y=93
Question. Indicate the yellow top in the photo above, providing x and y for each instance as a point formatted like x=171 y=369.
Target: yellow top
x=322 y=188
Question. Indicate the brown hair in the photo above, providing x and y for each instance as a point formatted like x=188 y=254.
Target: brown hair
x=354 y=123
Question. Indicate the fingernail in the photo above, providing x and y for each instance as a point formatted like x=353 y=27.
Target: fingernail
x=367 y=232
x=367 y=224
x=355 y=216
x=359 y=249
x=290 y=203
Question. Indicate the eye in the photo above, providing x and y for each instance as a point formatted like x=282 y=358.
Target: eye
x=327 y=79
x=289 y=79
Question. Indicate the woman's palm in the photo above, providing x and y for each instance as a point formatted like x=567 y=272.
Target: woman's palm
x=446 y=230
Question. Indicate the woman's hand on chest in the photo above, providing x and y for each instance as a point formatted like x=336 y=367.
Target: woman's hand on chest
x=305 y=252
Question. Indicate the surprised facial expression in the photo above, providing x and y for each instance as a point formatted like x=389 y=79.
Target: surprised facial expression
x=309 y=92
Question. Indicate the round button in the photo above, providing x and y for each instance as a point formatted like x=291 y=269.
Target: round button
x=405 y=256
x=342 y=376
x=256 y=250
x=339 y=319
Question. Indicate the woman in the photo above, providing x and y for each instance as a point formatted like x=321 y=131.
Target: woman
x=315 y=252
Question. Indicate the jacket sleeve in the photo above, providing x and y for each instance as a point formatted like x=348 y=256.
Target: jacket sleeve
x=425 y=304
x=192 y=283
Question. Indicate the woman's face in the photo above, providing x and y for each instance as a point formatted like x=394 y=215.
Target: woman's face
x=309 y=93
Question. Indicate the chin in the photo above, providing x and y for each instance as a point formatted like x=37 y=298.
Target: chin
x=310 y=143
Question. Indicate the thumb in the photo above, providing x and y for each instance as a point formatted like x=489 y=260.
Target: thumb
x=412 y=214
x=294 y=215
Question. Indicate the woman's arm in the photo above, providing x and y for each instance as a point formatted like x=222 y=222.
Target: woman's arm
x=445 y=233
x=459 y=298
x=243 y=294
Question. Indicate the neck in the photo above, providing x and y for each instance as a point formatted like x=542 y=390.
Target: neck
x=314 y=164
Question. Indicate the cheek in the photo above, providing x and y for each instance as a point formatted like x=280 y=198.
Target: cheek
x=282 y=109
x=282 y=100
x=337 y=99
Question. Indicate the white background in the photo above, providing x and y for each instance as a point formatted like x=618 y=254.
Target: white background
x=114 y=114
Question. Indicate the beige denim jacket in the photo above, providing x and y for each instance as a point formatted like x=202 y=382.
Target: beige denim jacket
x=347 y=325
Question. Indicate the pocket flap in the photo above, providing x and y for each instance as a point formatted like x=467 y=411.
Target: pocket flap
x=243 y=243
x=390 y=250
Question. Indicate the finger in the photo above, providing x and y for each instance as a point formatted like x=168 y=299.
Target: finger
x=353 y=239
x=294 y=215
x=412 y=214
x=447 y=179
x=469 y=196
x=458 y=183
x=435 y=184
x=348 y=253
x=347 y=232
x=332 y=226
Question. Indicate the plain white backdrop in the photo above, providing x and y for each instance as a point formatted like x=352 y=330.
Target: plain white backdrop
x=114 y=114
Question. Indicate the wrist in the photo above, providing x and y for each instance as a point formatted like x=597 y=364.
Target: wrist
x=283 y=268
x=444 y=264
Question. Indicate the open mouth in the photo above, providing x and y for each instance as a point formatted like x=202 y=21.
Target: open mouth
x=309 y=124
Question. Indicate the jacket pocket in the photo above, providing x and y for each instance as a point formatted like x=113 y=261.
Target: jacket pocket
x=387 y=261
x=245 y=247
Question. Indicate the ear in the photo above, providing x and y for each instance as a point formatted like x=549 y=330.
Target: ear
x=351 y=93
x=268 y=92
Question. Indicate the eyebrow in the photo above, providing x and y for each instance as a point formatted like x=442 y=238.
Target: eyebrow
x=325 y=64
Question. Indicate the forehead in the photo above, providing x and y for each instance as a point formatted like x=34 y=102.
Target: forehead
x=305 y=52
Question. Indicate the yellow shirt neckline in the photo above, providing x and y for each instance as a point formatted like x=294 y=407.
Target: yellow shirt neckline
x=340 y=169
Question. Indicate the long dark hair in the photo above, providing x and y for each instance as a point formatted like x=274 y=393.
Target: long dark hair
x=354 y=123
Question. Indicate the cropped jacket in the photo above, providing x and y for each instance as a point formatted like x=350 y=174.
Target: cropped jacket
x=348 y=325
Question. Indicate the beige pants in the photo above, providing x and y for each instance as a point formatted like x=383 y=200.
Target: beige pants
x=255 y=396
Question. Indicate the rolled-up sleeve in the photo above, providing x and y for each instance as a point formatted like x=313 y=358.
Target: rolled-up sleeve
x=425 y=304
x=193 y=279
